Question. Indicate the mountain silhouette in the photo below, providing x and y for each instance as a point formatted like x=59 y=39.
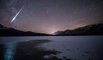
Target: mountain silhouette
x=5 y=31
x=93 y=29
x=1 y=26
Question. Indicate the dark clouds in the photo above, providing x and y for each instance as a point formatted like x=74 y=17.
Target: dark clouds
x=51 y=15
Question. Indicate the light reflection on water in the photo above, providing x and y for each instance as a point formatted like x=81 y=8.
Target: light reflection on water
x=9 y=52
x=75 y=47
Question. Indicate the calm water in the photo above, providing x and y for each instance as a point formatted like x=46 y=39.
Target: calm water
x=74 y=47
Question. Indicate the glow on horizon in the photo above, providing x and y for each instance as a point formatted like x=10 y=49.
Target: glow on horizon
x=52 y=32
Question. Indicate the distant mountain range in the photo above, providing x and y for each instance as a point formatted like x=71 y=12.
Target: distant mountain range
x=93 y=29
x=5 y=31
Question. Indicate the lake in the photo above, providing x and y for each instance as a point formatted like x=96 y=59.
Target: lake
x=72 y=47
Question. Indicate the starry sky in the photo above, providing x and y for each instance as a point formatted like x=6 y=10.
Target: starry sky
x=49 y=16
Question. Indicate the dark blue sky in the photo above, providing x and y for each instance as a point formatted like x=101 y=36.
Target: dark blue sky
x=48 y=16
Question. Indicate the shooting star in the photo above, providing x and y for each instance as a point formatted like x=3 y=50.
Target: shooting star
x=16 y=15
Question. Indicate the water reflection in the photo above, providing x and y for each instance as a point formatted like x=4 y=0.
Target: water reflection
x=2 y=50
x=9 y=51
x=28 y=50
x=52 y=48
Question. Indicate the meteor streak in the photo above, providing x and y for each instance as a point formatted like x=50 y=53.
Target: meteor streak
x=16 y=15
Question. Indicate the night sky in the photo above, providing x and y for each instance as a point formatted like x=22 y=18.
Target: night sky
x=49 y=16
